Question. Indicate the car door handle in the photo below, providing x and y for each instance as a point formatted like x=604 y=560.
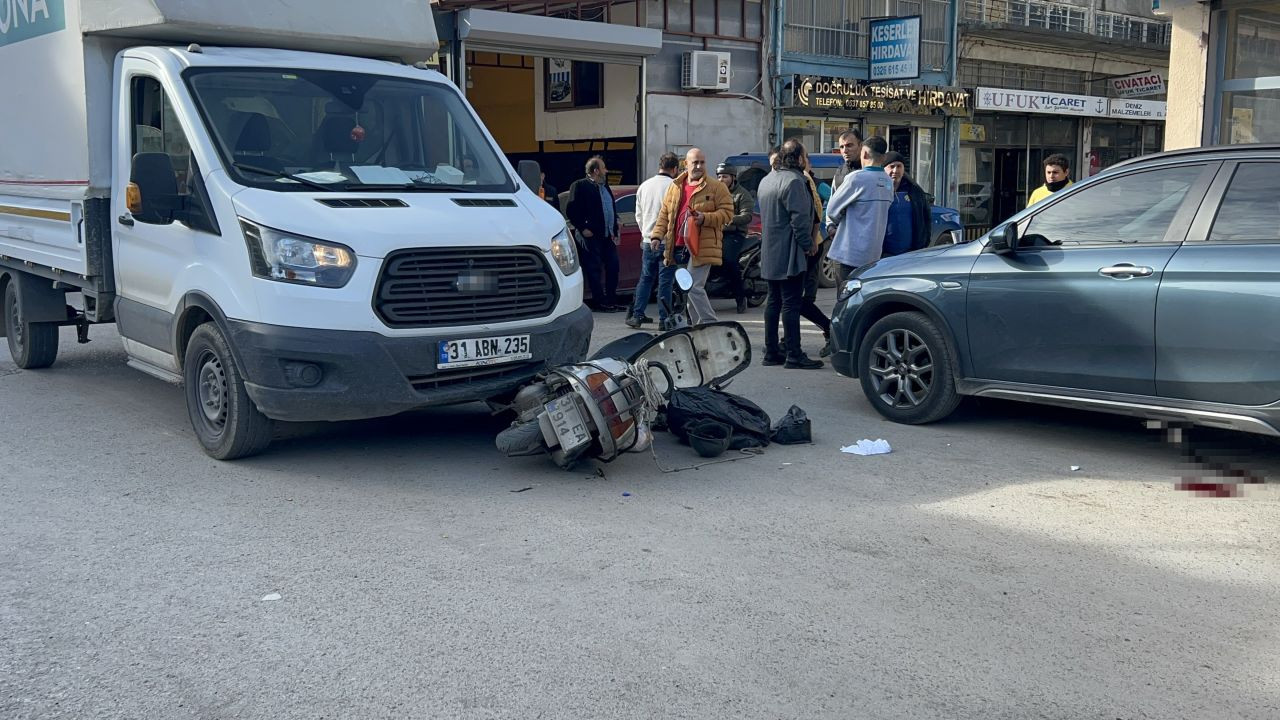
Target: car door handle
x=125 y=220
x=1123 y=271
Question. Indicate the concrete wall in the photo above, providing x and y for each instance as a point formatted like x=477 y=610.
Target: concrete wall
x=720 y=126
x=1188 y=68
x=616 y=119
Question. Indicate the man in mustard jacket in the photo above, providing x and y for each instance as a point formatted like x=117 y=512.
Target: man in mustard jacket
x=696 y=205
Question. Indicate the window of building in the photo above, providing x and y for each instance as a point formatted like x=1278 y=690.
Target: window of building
x=838 y=28
x=1249 y=84
x=1021 y=77
x=732 y=19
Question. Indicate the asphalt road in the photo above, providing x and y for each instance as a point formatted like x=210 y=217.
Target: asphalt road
x=391 y=568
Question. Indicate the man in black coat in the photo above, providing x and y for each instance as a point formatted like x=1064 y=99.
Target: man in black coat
x=594 y=216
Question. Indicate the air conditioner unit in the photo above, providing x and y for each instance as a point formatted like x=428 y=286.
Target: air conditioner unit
x=703 y=70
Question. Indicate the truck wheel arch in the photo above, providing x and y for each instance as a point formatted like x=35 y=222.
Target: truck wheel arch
x=195 y=310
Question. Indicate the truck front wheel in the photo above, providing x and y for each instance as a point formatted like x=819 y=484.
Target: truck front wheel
x=226 y=421
x=32 y=345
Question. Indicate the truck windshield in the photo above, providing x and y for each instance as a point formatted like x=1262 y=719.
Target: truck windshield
x=292 y=130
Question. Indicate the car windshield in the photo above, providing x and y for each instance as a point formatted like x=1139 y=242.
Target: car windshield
x=291 y=129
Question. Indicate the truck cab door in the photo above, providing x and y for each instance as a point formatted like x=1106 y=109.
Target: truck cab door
x=149 y=256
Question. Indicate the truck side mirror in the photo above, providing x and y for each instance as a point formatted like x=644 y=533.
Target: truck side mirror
x=152 y=195
x=1004 y=239
x=530 y=174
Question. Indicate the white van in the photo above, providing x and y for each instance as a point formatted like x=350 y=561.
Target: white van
x=293 y=235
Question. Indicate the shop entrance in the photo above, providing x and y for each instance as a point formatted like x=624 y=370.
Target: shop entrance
x=915 y=144
x=558 y=112
x=1009 y=182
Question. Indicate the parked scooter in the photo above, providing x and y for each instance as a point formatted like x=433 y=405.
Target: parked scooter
x=755 y=287
x=605 y=406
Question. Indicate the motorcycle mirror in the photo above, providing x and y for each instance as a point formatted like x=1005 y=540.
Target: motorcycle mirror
x=684 y=279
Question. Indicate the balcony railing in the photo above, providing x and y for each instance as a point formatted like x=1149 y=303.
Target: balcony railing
x=838 y=28
x=1066 y=17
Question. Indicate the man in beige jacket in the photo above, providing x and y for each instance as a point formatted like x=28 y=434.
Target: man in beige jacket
x=701 y=204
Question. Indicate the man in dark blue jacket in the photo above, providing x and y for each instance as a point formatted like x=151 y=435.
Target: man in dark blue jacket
x=592 y=213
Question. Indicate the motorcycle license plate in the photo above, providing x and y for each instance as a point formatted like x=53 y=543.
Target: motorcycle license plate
x=566 y=420
x=477 y=352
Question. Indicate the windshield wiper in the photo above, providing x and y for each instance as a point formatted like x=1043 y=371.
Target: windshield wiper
x=282 y=174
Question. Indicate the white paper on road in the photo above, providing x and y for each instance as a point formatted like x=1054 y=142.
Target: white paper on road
x=868 y=447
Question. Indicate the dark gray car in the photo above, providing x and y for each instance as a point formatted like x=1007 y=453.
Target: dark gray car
x=1151 y=289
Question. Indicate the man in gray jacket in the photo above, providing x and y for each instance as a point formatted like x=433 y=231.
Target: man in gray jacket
x=786 y=219
x=859 y=212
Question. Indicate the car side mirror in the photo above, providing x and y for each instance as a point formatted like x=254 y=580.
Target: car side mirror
x=530 y=174
x=152 y=195
x=1004 y=239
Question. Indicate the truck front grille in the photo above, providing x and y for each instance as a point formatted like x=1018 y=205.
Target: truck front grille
x=442 y=287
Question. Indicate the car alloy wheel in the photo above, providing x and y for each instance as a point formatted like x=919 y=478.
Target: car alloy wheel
x=901 y=369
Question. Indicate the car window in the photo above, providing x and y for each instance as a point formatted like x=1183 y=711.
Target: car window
x=1250 y=210
x=1133 y=208
x=625 y=204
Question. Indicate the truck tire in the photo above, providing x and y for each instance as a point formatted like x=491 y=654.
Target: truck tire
x=906 y=369
x=32 y=345
x=226 y=422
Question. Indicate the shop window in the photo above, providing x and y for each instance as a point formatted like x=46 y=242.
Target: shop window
x=1010 y=130
x=1250 y=210
x=1255 y=46
x=1251 y=116
x=1054 y=131
x=1136 y=208
x=572 y=85
x=807 y=131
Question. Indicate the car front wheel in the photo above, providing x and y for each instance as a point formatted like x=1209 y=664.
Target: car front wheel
x=905 y=367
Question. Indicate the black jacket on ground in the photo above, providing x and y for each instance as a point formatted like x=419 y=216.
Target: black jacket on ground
x=585 y=211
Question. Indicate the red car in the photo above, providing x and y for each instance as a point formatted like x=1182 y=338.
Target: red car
x=629 y=252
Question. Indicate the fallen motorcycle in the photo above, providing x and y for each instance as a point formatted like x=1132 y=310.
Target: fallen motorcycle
x=605 y=406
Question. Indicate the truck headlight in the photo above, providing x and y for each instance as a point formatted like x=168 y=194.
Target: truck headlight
x=848 y=290
x=950 y=217
x=274 y=255
x=563 y=251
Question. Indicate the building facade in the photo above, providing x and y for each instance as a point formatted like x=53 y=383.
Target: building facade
x=1084 y=79
x=825 y=82
x=1225 y=81
x=559 y=81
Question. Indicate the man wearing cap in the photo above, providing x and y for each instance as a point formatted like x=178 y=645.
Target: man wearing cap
x=735 y=232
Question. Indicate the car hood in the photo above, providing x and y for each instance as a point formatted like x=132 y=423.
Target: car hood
x=910 y=263
x=413 y=219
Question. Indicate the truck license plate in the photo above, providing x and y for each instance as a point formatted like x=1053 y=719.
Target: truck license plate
x=476 y=352
x=566 y=420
